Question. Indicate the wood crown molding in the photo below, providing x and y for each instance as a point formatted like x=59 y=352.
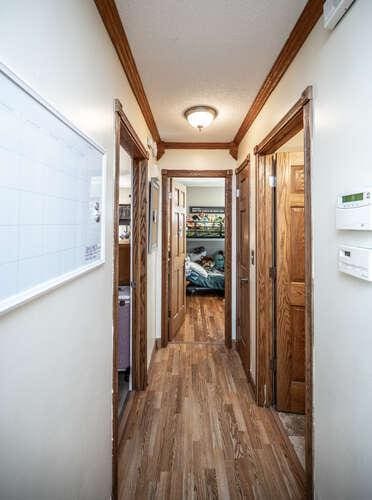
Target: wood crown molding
x=197 y=173
x=164 y=145
x=112 y=21
x=160 y=150
x=305 y=23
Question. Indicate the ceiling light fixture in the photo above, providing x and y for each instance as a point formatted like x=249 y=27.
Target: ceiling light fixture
x=200 y=116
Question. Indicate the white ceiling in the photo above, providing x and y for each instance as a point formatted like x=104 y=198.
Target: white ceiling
x=214 y=52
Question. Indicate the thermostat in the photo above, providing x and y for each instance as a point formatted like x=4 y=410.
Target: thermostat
x=355 y=261
x=354 y=210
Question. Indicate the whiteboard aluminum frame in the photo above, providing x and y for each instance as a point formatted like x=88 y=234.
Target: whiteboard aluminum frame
x=26 y=296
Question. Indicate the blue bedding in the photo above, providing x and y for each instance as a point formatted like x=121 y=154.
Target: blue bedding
x=214 y=281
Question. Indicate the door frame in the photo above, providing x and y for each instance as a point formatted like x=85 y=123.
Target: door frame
x=245 y=163
x=126 y=137
x=299 y=117
x=166 y=176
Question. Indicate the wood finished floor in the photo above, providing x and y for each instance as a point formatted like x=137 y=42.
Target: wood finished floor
x=205 y=320
x=196 y=433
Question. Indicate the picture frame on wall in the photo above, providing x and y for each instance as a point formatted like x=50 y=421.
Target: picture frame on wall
x=154 y=213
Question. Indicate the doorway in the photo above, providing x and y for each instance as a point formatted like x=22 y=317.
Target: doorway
x=196 y=256
x=124 y=312
x=284 y=279
x=130 y=231
x=289 y=292
x=243 y=261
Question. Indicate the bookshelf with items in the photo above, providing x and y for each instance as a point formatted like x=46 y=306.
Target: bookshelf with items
x=205 y=223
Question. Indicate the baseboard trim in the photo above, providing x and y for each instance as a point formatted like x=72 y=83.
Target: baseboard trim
x=251 y=382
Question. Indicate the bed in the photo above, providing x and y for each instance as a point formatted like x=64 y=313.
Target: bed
x=205 y=273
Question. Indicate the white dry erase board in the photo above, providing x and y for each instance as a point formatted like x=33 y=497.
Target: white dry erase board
x=51 y=196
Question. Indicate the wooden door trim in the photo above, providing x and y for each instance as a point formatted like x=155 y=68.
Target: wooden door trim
x=228 y=256
x=238 y=170
x=165 y=145
x=287 y=127
x=264 y=285
x=309 y=309
x=126 y=137
x=243 y=165
x=129 y=139
x=166 y=175
x=291 y=123
x=197 y=173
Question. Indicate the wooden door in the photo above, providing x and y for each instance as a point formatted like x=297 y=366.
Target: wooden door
x=290 y=285
x=177 y=280
x=242 y=250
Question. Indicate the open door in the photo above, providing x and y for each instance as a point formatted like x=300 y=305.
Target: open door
x=290 y=286
x=177 y=280
x=242 y=250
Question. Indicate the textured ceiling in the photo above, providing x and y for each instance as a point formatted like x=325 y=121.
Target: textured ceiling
x=214 y=52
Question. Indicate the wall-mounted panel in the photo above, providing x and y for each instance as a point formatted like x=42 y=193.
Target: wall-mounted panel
x=51 y=196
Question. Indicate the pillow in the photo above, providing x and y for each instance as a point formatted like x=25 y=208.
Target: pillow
x=197 y=256
x=197 y=268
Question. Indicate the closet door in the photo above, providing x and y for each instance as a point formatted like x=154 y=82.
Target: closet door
x=290 y=286
x=177 y=285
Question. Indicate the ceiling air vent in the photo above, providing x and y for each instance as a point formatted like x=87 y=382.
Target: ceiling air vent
x=333 y=11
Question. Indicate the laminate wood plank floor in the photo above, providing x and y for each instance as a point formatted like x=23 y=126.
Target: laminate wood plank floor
x=196 y=433
x=205 y=320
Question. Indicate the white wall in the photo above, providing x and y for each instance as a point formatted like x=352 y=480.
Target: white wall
x=154 y=282
x=56 y=352
x=194 y=159
x=125 y=195
x=205 y=196
x=197 y=159
x=339 y=66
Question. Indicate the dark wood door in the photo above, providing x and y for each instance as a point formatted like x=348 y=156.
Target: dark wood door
x=242 y=249
x=177 y=281
x=290 y=285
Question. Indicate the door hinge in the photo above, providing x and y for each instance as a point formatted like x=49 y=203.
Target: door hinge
x=238 y=193
x=170 y=195
x=272 y=181
x=272 y=273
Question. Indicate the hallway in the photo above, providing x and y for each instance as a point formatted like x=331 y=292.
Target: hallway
x=205 y=320
x=197 y=433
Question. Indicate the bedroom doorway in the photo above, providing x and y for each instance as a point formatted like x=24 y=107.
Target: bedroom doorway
x=196 y=264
